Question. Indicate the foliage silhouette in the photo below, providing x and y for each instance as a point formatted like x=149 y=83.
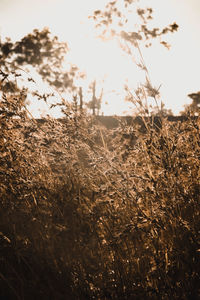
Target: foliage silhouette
x=114 y=19
x=41 y=51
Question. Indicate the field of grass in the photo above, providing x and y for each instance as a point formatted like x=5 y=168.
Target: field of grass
x=91 y=213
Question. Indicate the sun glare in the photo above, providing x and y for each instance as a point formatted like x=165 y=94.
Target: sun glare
x=104 y=61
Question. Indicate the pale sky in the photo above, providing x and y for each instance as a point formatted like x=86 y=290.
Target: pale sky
x=177 y=70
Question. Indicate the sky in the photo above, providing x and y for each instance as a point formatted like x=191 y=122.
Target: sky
x=176 y=71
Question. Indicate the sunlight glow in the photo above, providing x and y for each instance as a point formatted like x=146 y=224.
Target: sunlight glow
x=176 y=70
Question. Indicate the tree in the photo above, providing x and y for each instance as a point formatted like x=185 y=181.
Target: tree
x=41 y=51
x=195 y=105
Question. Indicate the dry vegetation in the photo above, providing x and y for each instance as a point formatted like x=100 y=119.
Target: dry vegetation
x=91 y=213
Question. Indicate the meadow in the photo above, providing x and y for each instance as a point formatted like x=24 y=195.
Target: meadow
x=94 y=213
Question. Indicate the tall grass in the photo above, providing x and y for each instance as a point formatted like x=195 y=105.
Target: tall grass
x=91 y=213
